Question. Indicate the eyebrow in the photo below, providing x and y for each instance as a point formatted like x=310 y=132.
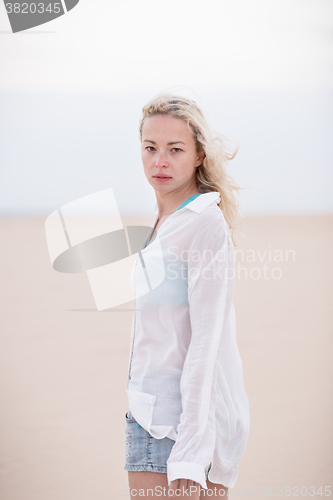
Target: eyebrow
x=169 y=143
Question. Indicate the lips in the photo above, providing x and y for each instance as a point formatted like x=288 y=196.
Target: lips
x=162 y=176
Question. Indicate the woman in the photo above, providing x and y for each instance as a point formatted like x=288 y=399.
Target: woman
x=188 y=408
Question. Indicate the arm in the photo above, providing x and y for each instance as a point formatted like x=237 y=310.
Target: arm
x=210 y=292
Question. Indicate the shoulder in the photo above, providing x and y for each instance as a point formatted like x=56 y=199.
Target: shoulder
x=211 y=220
x=209 y=229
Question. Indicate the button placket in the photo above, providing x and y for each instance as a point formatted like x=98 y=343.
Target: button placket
x=132 y=347
x=143 y=265
x=149 y=237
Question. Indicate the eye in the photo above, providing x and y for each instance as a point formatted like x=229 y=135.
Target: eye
x=177 y=148
x=149 y=147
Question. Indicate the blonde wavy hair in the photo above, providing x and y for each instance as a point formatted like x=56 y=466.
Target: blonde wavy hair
x=212 y=174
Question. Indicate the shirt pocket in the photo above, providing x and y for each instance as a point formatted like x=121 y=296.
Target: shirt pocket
x=141 y=405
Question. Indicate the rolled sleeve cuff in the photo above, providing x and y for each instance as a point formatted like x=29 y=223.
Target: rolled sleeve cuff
x=226 y=479
x=187 y=470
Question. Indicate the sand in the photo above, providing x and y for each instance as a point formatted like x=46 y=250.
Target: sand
x=64 y=366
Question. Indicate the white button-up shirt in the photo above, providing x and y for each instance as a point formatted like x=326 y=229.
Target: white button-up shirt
x=185 y=378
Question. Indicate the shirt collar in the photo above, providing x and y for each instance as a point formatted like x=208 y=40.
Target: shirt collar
x=200 y=202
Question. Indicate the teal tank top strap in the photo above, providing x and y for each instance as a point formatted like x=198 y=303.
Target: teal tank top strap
x=191 y=198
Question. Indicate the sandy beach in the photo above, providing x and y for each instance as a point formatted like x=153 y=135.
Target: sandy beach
x=64 y=366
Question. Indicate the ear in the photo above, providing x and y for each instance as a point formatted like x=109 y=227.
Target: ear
x=200 y=158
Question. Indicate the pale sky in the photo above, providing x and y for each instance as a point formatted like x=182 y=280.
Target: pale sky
x=124 y=45
x=72 y=90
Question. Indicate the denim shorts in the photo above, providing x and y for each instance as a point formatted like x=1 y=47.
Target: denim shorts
x=143 y=452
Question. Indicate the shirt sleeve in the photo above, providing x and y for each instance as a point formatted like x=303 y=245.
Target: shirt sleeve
x=210 y=293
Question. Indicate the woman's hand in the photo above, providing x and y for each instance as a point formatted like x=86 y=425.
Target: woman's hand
x=183 y=485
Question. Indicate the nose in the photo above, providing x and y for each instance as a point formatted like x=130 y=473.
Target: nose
x=161 y=160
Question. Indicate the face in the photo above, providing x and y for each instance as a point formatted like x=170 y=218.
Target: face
x=168 y=149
